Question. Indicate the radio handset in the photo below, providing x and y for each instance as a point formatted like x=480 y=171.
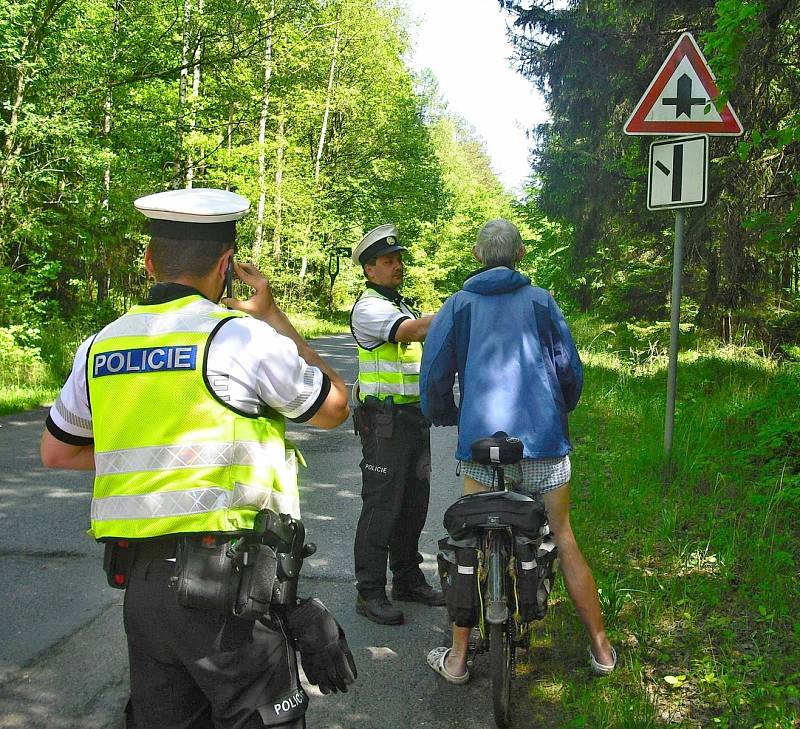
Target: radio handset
x=229 y=279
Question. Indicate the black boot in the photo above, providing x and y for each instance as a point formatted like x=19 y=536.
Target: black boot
x=379 y=610
x=422 y=593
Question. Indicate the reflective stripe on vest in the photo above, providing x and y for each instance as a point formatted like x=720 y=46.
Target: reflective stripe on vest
x=408 y=392
x=391 y=368
x=170 y=457
x=407 y=368
x=193 y=501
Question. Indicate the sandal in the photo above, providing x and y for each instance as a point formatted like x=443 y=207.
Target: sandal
x=603 y=669
x=436 y=660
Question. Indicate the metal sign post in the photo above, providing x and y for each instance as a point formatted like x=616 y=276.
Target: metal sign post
x=680 y=100
x=674 y=331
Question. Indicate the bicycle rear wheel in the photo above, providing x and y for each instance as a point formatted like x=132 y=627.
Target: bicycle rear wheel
x=501 y=656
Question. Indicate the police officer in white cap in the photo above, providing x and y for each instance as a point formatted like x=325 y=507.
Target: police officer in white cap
x=395 y=438
x=179 y=408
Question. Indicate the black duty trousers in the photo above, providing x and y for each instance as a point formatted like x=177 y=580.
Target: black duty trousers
x=395 y=473
x=200 y=669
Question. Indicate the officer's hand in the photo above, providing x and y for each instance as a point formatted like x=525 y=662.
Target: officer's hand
x=324 y=653
x=261 y=304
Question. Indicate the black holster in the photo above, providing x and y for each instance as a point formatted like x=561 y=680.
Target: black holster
x=374 y=416
x=258 y=570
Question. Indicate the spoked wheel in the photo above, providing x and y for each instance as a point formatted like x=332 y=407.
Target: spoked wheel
x=501 y=655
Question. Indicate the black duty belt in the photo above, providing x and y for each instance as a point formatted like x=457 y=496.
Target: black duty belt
x=155 y=548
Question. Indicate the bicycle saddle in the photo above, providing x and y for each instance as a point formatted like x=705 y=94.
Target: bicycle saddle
x=499 y=450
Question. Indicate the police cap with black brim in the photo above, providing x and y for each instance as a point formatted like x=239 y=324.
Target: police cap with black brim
x=379 y=241
x=194 y=213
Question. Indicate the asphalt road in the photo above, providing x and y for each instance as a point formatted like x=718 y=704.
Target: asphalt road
x=62 y=648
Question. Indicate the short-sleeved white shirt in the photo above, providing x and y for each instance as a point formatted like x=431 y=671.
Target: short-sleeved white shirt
x=249 y=365
x=375 y=320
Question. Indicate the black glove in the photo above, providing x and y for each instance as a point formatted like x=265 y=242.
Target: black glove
x=326 y=657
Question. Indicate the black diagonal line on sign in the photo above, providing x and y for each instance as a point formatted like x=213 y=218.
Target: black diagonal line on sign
x=662 y=167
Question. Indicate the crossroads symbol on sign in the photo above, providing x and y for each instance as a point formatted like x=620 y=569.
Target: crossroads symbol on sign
x=680 y=98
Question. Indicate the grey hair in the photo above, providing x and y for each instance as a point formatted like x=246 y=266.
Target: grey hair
x=497 y=243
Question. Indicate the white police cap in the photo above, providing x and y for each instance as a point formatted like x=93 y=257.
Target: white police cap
x=378 y=242
x=194 y=213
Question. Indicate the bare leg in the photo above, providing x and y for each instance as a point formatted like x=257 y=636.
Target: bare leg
x=577 y=575
x=456 y=661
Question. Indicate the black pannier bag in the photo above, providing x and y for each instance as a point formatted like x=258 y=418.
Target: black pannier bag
x=492 y=509
x=546 y=558
x=527 y=584
x=535 y=562
x=458 y=572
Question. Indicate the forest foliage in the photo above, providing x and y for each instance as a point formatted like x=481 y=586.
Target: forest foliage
x=306 y=108
x=592 y=61
x=309 y=109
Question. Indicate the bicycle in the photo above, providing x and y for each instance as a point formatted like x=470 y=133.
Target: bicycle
x=504 y=537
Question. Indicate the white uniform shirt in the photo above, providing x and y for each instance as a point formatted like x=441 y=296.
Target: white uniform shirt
x=249 y=365
x=375 y=321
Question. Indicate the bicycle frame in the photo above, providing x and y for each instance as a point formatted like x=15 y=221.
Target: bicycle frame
x=499 y=630
x=511 y=564
x=496 y=609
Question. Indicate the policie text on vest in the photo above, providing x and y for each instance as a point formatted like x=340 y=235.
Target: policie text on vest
x=146 y=359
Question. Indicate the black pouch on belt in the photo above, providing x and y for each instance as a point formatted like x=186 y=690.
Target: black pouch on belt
x=206 y=576
x=117 y=561
x=258 y=566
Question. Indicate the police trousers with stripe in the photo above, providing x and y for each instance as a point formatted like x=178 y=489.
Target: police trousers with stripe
x=201 y=669
x=395 y=474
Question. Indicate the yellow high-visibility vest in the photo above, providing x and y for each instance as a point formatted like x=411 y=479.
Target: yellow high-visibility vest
x=390 y=368
x=170 y=456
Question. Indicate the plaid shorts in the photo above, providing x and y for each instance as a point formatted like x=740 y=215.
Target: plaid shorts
x=531 y=475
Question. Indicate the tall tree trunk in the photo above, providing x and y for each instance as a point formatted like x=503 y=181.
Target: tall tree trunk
x=182 y=84
x=198 y=50
x=229 y=145
x=262 y=136
x=31 y=46
x=102 y=272
x=328 y=96
x=323 y=132
x=11 y=149
x=276 y=233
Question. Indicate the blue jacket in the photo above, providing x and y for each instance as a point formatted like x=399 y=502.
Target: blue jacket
x=518 y=367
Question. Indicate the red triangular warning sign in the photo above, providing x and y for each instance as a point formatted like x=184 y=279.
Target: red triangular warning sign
x=680 y=99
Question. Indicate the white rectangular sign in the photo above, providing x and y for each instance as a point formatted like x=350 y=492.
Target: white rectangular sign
x=678 y=176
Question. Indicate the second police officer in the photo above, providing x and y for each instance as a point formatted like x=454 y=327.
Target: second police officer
x=395 y=438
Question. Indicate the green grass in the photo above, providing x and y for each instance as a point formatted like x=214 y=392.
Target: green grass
x=29 y=378
x=310 y=325
x=15 y=398
x=697 y=565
